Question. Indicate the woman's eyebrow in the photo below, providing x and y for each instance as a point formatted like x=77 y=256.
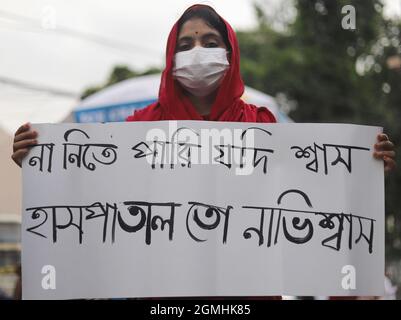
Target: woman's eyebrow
x=205 y=36
x=211 y=35
x=185 y=38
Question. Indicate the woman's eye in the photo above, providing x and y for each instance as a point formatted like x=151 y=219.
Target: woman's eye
x=212 y=45
x=184 y=47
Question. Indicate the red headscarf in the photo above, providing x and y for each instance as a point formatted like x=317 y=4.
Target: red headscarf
x=173 y=104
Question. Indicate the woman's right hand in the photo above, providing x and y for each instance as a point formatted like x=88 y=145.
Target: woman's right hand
x=24 y=138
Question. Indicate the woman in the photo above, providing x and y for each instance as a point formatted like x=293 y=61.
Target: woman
x=201 y=81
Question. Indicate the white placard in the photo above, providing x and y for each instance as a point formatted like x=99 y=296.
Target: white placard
x=191 y=208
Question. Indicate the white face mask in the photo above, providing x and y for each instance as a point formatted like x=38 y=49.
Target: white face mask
x=200 y=70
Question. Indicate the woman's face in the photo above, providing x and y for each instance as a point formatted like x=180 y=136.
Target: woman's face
x=196 y=33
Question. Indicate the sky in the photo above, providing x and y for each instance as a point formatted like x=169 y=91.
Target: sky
x=36 y=46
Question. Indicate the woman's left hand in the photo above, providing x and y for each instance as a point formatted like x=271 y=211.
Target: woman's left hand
x=384 y=150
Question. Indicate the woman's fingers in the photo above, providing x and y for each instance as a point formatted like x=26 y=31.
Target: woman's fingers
x=23 y=144
x=382 y=154
x=384 y=150
x=389 y=164
x=388 y=157
x=382 y=137
x=25 y=136
x=384 y=145
x=19 y=155
x=23 y=139
x=23 y=128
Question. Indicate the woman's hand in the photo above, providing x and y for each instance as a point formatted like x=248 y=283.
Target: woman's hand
x=384 y=150
x=24 y=138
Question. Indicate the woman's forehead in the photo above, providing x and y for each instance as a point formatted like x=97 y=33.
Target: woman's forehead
x=196 y=26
